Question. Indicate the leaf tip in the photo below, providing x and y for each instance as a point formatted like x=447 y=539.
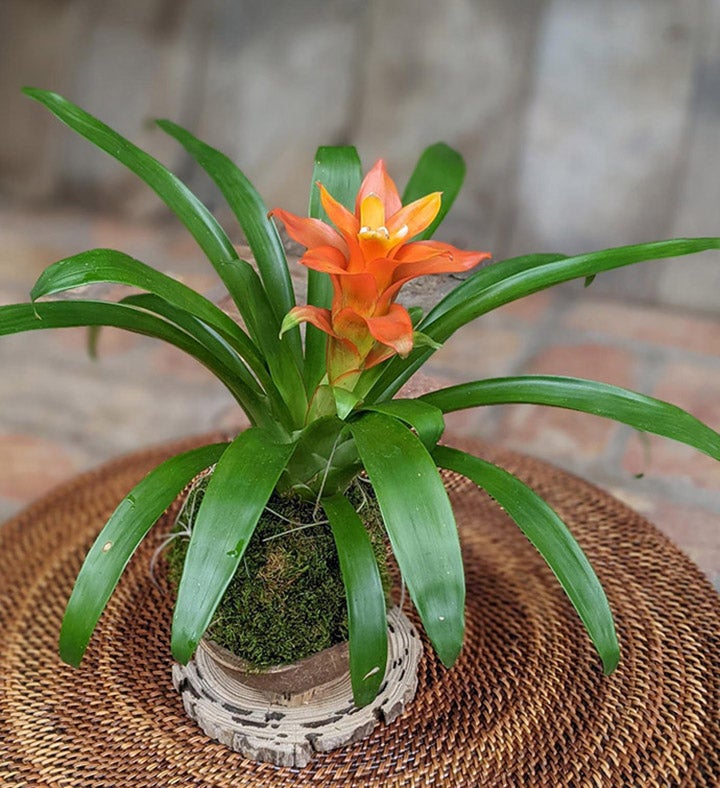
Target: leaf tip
x=70 y=649
x=38 y=94
x=610 y=660
x=70 y=660
x=182 y=644
x=183 y=654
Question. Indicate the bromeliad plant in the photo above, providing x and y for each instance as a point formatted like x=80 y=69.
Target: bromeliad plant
x=323 y=408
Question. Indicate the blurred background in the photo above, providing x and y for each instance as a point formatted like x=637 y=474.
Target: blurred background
x=584 y=124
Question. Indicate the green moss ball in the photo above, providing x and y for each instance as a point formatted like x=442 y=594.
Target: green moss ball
x=287 y=599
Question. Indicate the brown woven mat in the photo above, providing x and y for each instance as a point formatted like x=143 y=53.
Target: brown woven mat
x=526 y=704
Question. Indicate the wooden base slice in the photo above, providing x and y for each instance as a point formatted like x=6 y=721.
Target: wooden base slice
x=242 y=718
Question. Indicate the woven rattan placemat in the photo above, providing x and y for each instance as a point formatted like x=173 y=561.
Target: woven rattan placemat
x=526 y=704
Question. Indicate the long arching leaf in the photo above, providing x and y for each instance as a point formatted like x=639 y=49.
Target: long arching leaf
x=589 y=396
x=252 y=215
x=476 y=298
x=174 y=193
x=234 y=499
x=260 y=321
x=383 y=381
x=506 y=281
x=420 y=524
x=107 y=265
x=214 y=342
x=367 y=617
x=17 y=318
x=439 y=169
x=340 y=172
x=555 y=543
x=488 y=276
x=118 y=540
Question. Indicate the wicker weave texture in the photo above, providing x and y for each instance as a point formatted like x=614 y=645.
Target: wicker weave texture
x=526 y=705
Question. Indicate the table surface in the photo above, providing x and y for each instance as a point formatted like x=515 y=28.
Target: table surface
x=526 y=703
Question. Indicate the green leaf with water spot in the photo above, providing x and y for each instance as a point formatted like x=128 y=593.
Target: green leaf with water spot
x=118 y=540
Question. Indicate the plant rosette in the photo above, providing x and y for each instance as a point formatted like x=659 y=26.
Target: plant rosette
x=323 y=404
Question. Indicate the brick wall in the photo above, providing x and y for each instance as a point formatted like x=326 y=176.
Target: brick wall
x=584 y=124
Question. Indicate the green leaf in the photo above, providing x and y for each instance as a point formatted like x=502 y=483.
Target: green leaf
x=252 y=215
x=179 y=199
x=261 y=323
x=487 y=277
x=509 y=280
x=340 y=172
x=439 y=169
x=345 y=401
x=427 y=420
x=367 y=621
x=420 y=524
x=107 y=265
x=216 y=343
x=236 y=495
x=16 y=318
x=476 y=297
x=325 y=460
x=547 y=532
x=119 y=538
x=601 y=399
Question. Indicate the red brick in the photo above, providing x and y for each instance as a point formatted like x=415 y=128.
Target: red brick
x=587 y=360
x=22 y=259
x=231 y=419
x=12 y=295
x=421 y=383
x=476 y=352
x=694 y=387
x=647 y=324
x=204 y=283
x=529 y=309
x=183 y=245
x=564 y=435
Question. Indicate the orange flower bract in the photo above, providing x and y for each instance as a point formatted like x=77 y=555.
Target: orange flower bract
x=369 y=256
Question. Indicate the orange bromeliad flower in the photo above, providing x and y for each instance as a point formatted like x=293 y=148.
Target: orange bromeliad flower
x=369 y=256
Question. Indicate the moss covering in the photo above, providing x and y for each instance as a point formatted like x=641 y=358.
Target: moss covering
x=287 y=599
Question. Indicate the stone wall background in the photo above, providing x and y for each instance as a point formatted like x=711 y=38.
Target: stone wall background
x=584 y=123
